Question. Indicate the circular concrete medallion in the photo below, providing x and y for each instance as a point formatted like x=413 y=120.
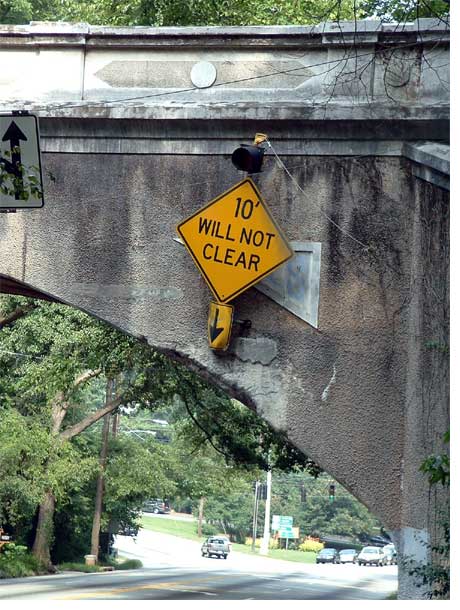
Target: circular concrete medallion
x=203 y=74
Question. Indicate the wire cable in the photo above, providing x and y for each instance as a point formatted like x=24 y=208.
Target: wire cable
x=346 y=57
x=344 y=231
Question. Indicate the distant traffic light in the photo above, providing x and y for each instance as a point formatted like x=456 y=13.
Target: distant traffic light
x=331 y=492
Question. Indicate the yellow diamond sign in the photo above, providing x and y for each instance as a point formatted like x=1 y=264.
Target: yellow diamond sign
x=234 y=241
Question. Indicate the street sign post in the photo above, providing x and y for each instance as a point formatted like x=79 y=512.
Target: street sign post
x=219 y=325
x=21 y=185
x=234 y=241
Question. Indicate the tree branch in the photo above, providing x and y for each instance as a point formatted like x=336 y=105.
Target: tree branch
x=91 y=419
x=85 y=376
x=18 y=313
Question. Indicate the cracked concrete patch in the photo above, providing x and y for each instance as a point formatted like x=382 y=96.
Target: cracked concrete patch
x=259 y=350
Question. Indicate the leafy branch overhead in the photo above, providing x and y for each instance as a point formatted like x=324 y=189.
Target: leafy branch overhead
x=209 y=12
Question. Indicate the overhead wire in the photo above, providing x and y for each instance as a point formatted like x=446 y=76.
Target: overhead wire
x=310 y=200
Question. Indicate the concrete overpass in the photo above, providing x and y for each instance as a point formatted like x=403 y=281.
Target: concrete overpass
x=137 y=129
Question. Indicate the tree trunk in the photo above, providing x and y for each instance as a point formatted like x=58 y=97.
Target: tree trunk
x=200 y=515
x=100 y=479
x=43 y=537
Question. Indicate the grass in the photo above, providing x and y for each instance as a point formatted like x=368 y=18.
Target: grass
x=75 y=566
x=183 y=529
x=393 y=595
x=187 y=529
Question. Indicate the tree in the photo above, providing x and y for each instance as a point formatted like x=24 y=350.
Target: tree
x=64 y=350
x=209 y=12
x=54 y=363
x=177 y=12
x=403 y=11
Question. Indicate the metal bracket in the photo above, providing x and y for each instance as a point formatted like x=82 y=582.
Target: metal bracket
x=295 y=285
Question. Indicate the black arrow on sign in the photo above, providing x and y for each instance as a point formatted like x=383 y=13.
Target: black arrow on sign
x=14 y=135
x=214 y=332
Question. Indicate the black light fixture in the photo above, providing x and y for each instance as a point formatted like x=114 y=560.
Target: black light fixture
x=249 y=157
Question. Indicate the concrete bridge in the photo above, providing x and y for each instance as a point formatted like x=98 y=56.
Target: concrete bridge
x=137 y=129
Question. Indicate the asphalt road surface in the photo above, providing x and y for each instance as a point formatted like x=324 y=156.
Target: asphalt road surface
x=174 y=570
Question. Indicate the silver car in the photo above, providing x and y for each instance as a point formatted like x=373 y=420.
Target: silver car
x=217 y=546
x=372 y=555
x=348 y=556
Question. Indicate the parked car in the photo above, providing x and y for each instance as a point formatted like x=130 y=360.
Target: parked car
x=157 y=506
x=372 y=555
x=219 y=546
x=328 y=556
x=348 y=556
x=391 y=555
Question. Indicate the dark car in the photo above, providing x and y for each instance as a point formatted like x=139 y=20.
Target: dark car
x=327 y=556
x=157 y=507
x=348 y=556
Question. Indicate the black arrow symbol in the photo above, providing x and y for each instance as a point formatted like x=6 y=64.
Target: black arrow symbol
x=14 y=135
x=214 y=332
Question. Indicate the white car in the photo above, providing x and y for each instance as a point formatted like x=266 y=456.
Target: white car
x=390 y=553
x=372 y=555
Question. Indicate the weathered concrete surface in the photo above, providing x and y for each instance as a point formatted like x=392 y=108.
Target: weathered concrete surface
x=365 y=395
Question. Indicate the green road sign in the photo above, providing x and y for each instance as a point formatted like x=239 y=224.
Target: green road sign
x=281 y=521
x=286 y=532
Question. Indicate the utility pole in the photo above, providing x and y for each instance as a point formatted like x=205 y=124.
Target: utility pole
x=254 y=515
x=100 y=478
x=266 y=538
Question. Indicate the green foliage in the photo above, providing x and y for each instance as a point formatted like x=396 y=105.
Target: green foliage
x=437 y=467
x=436 y=572
x=75 y=566
x=17 y=562
x=209 y=530
x=233 y=430
x=178 y=12
x=210 y=12
x=79 y=566
x=128 y=564
x=19 y=180
x=316 y=516
x=406 y=10
x=215 y=447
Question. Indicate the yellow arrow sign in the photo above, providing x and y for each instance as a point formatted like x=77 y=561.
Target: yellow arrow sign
x=234 y=241
x=219 y=325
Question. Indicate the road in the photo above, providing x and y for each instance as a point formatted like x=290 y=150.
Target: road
x=174 y=570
